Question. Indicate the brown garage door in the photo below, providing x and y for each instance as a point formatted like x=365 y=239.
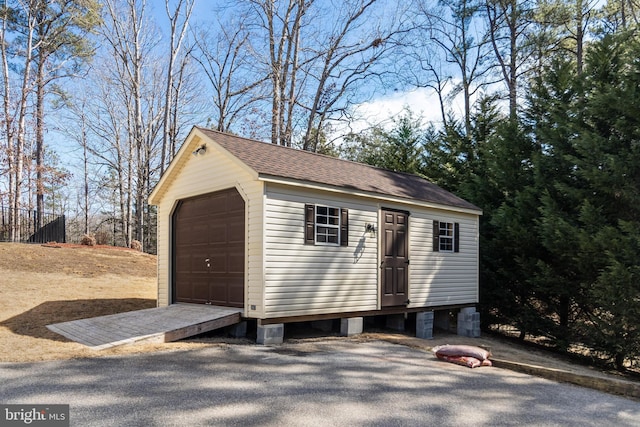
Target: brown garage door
x=209 y=249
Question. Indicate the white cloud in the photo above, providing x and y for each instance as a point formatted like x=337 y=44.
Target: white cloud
x=422 y=101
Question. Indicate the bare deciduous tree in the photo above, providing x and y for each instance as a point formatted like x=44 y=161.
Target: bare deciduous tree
x=22 y=19
x=457 y=36
x=179 y=18
x=318 y=67
x=422 y=59
x=280 y=24
x=509 y=24
x=224 y=57
x=135 y=77
x=347 y=58
x=61 y=45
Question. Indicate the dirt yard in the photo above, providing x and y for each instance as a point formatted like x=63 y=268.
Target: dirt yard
x=44 y=284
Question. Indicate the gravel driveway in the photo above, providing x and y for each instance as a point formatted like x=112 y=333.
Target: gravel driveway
x=309 y=384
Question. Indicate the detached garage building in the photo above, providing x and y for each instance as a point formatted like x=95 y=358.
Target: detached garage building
x=289 y=235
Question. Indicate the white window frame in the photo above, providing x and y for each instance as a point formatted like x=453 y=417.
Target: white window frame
x=446 y=236
x=327 y=225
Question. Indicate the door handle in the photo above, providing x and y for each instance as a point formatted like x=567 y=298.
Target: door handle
x=208 y=261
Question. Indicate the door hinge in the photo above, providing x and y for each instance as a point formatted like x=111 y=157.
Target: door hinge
x=406 y=262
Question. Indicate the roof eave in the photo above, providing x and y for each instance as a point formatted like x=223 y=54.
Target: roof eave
x=362 y=193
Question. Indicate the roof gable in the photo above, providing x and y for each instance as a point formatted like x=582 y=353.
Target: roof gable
x=270 y=160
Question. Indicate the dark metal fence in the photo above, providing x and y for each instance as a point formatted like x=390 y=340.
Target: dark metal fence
x=26 y=228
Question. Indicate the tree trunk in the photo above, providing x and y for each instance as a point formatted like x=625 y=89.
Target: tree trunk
x=513 y=65
x=466 y=84
x=283 y=52
x=275 y=74
x=507 y=16
x=127 y=211
x=85 y=158
x=9 y=130
x=563 y=311
x=20 y=131
x=580 y=36
x=619 y=360
x=40 y=137
x=175 y=47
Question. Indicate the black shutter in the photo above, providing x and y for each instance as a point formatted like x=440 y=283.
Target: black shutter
x=456 y=237
x=436 y=235
x=309 y=224
x=344 y=227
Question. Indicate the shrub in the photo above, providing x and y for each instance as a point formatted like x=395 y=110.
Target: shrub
x=88 y=240
x=102 y=238
x=136 y=245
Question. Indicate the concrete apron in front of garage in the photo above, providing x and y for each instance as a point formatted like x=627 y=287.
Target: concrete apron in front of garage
x=161 y=324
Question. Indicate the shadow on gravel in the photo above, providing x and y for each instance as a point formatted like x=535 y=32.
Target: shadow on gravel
x=34 y=322
x=350 y=384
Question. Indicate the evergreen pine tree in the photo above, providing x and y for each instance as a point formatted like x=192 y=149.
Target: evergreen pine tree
x=608 y=161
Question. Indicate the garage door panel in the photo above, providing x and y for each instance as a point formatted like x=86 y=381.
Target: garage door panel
x=217 y=233
x=198 y=259
x=217 y=204
x=201 y=290
x=187 y=211
x=181 y=229
x=198 y=232
x=183 y=263
x=210 y=227
x=184 y=291
x=219 y=293
x=202 y=205
x=219 y=263
x=235 y=204
x=235 y=288
x=236 y=232
x=235 y=262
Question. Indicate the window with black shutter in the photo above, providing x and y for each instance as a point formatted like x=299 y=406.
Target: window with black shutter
x=326 y=225
x=446 y=236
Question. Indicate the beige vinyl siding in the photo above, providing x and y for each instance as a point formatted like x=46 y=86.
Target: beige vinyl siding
x=314 y=279
x=213 y=171
x=442 y=278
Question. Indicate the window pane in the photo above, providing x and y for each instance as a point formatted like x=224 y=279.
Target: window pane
x=327 y=225
x=446 y=237
x=446 y=229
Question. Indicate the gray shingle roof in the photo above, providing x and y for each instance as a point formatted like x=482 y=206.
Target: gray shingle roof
x=270 y=160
